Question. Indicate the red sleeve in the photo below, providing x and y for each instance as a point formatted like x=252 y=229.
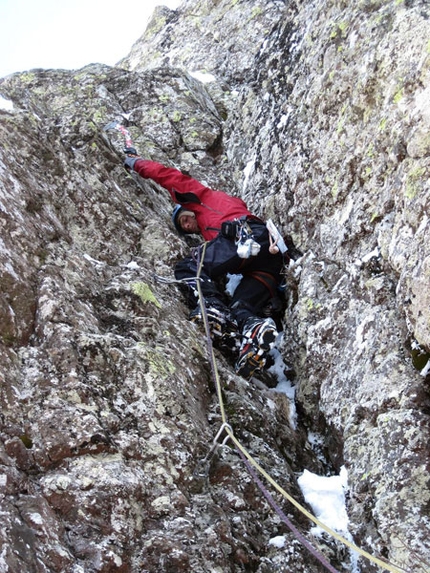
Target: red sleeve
x=169 y=178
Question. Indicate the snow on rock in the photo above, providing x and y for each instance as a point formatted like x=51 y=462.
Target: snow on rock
x=111 y=397
x=326 y=496
x=6 y=104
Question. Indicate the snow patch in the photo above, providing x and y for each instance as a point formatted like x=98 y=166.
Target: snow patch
x=282 y=122
x=422 y=107
x=284 y=385
x=278 y=541
x=3 y=564
x=117 y=559
x=9 y=268
x=36 y=518
x=95 y=262
x=6 y=104
x=326 y=496
x=373 y=254
x=360 y=334
x=426 y=369
x=423 y=225
x=247 y=172
x=264 y=46
x=133 y=266
x=342 y=216
x=203 y=77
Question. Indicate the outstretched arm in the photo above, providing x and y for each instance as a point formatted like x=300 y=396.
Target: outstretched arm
x=168 y=177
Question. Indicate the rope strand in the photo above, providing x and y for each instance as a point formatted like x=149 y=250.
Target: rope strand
x=285 y=519
x=252 y=463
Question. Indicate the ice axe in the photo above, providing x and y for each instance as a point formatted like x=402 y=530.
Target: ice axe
x=129 y=149
x=118 y=126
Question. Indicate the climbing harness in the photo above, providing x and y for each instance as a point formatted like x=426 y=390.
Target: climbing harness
x=241 y=233
x=253 y=464
x=246 y=246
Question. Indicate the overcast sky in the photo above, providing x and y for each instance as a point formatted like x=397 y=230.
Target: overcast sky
x=70 y=33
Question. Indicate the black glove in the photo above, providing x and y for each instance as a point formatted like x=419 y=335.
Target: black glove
x=130 y=151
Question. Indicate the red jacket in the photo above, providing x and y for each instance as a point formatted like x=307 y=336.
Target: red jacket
x=210 y=207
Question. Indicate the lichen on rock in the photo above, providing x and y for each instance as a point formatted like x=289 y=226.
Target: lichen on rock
x=317 y=115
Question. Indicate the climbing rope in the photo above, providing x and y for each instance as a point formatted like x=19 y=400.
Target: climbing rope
x=252 y=464
x=285 y=519
x=225 y=427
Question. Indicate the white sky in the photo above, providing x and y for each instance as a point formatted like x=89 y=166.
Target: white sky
x=70 y=33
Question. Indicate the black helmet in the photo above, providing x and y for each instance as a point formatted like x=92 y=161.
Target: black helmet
x=177 y=211
x=175 y=218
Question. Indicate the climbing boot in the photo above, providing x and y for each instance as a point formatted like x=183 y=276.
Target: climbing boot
x=222 y=325
x=259 y=336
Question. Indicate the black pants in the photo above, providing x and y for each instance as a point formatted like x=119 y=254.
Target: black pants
x=261 y=274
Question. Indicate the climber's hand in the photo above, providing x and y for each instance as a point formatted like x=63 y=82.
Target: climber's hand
x=131 y=158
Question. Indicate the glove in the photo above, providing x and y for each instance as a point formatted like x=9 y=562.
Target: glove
x=131 y=158
x=130 y=161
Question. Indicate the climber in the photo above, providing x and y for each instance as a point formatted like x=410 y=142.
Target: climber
x=236 y=243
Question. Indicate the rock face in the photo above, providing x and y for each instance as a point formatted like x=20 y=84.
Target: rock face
x=318 y=115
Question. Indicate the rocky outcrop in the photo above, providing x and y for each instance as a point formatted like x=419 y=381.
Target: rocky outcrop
x=317 y=114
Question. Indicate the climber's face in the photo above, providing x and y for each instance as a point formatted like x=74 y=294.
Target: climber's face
x=188 y=222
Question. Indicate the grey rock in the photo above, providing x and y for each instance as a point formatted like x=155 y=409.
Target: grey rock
x=317 y=115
